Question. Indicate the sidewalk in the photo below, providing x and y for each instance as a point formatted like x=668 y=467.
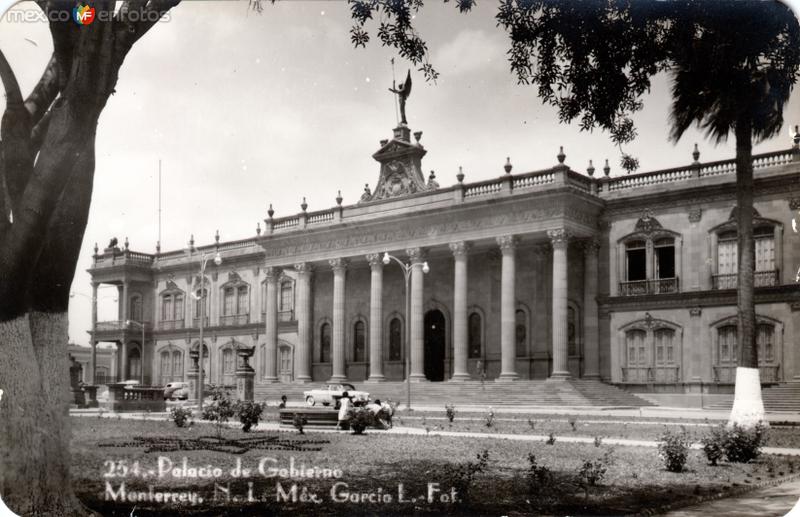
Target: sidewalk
x=774 y=501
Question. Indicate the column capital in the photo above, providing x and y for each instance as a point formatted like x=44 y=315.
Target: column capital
x=559 y=238
x=507 y=243
x=416 y=255
x=338 y=264
x=590 y=246
x=271 y=273
x=374 y=260
x=460 y=248
x=304 y=267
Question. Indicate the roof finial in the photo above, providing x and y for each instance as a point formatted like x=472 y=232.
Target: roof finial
x=216 y=237
x=606 y=169
x=561 y=156
x=126 y=243
x=304 y=205
x=590 y=169
x=258 y=228
x=270 y=211
x=460 y=175
x=507 y=167
x=696 y=154
x=339 y=198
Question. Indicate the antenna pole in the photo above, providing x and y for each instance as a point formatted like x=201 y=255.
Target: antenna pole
x=159 y=202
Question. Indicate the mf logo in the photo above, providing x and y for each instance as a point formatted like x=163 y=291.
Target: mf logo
x=83 y=14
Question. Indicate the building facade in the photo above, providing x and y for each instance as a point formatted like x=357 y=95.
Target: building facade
x=546 y=274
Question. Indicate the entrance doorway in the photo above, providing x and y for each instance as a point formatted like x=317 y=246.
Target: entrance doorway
x=285 y=363
x=435 y=335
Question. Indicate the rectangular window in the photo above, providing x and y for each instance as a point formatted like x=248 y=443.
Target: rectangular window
x=665 y=261
x=726 y=257
x=177 y=366
x=765 y=338
x=178 y=314
x=765 y=254
x=395 y=339
x=242 y=305
x=228 y=302
x=637 y=264
x=359 y=343
x=166 y=308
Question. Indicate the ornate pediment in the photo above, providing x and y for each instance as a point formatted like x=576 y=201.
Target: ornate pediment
x=401 y=169
x=647 y=223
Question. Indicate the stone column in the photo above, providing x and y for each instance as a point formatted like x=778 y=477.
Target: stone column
x=559 y=238
x=124 y=302
x=339 y=267
x=271 y=310
x=591 y=327
x=460 y=251
x=302 y=356
x=123 y=362
x=508 y=245
x=93 y=373
x=376 y=318
x=417 y=316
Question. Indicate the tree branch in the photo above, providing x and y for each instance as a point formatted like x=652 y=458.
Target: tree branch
x=44 y=93
x=65 y=36
x=15 y=134
x=129 y=28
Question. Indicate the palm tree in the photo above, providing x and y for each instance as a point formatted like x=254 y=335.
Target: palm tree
x=733 y=71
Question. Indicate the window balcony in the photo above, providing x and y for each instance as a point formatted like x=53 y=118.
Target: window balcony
x=651 y=374
x=232 y=320
x=646 y=287
x=760 y=279
x=171 y=325
x=726 y=374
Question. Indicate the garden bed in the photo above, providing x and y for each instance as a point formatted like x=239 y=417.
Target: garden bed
x=377 y=467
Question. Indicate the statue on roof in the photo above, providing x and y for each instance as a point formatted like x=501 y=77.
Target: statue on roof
x=402 y=92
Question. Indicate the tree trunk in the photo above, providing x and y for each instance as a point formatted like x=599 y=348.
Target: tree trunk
x=748 y=407
x=34 y=422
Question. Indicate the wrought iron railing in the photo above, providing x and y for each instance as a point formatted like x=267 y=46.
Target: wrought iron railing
x=234 y=319
x=171 y=324
x=644 y=287
x=651 y=374
x=760 y=279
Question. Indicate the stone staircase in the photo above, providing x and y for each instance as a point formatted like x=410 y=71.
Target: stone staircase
x=782 y=397
x=574 y=392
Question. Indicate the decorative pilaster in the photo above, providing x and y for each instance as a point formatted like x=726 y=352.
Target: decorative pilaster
x=508 y=246
x=93 y=373
x=271 y=310
x=559 y=239
x=375 y=318
x=591 y=327
x=339 y=267
x=417 y=374
x=460 y=253
x=302 y=366
x=123 y=374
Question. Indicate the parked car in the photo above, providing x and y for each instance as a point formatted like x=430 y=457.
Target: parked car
x=176 y=390
x=331 y=393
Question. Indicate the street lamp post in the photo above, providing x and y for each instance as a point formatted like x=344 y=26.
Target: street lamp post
x=141 y=358
x=202 y=298
x=407 y=275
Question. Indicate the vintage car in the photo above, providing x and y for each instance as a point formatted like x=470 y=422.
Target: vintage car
x=331 y=393
x=176 y=390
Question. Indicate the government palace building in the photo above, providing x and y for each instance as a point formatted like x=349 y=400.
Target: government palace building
x=551 y=274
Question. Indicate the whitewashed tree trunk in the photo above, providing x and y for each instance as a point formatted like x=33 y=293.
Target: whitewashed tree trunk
x=748 y=407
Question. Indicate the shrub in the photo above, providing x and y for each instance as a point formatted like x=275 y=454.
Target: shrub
x=299 y=422
x=531 y=424
x=592 y=472
x=359 y=418
x=181 y=416
x=714 y=444
x=673 y=450
x=598 y=441
x=489 y=418
x=220 y=410
x=249 y=413
x=539 y=477
x=462 y=476
x=450 y=411
x=282 y=405
x=742 y=445
x=573 y=423
x=551 y=439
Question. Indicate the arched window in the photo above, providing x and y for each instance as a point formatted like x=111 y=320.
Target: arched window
x=170 y=366
x=664 y=345
x=359 y=342
x=636 y=349
x=229 y=302
x=165 y=367
x=521 y=332
x=228 y=366
x=135 y=312
x=177 y=366
x=766 y=345
x=178 y=313
x=649 y=259
x=636 y=256
x=134 y=364
x=325 y=343
x=474 y=338
x=664 y=255
x=765 y=232
x=395 y=339
x=201 y=296
x=172 y=314
x=167 y=308
x=728 y=349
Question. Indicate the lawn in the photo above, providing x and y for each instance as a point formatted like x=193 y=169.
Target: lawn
x=344 y=474
x=587 y=427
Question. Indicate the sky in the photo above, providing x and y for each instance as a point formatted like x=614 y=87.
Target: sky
x=246 y=109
